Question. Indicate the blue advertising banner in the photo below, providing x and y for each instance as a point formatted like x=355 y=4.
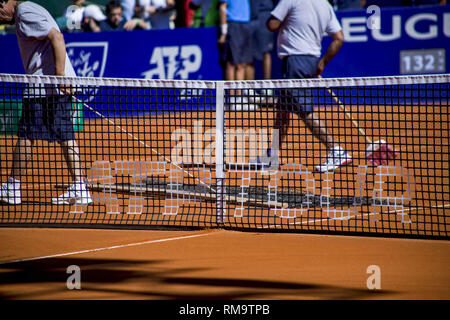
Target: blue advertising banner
x=154 y=54
x=179 y=54
x=406 y=41
x=392 y=41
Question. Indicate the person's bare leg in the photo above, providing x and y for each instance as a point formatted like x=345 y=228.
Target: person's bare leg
x=336 y=155
x=71 y=153
x=230 y=71
x=10 y=190
x=282 y=124
x=235 y=72
x=240 y=75
x=250 y=71
x=319 y=130
x=21 y=156
x=240 y=71
x=77 y=193
x=230 y=74
x=267 y=65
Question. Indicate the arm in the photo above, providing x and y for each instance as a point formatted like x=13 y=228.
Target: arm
x=223 y=21
x=93 y=25
x=333 y=49
x=135 y=22
x=59 y=51
x=273 y=24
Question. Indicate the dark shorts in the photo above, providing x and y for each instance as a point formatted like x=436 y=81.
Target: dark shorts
x=263 y=39
x=238 y=45
x=299 y=67
x=48 y=118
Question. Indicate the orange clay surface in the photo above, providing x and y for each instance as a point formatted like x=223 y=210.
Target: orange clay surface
x=132 y=264
x=107 y=149
x=217 y=264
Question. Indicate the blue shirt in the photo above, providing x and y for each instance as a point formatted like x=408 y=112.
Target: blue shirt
x=238 y=10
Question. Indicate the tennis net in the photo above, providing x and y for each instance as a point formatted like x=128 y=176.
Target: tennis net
x=343 y=155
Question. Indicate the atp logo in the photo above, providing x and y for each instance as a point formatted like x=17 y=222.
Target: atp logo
x=174 y=62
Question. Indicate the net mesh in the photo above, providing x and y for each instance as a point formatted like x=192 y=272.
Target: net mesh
x=249 y=155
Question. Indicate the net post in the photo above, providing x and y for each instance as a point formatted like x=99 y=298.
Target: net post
x=220 y=174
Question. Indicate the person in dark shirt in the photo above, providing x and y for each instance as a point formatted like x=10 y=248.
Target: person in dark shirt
x=116 y=22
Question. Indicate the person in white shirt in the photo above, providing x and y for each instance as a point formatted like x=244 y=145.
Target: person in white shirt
x=301 y=25
x=47 y=110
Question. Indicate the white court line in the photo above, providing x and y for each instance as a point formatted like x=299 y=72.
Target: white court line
x=187 y=237
x=104 y=248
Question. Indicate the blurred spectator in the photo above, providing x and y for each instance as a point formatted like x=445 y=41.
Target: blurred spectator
x=162 y=14
x=236 y=40
x=116 y=22
x=141 y=11
x=128 y=8
x=184 y=15
x=158 y=14
x=207 y=14
x=263 y=39
x=62 y=24
x=74 y=15
x=92 y=16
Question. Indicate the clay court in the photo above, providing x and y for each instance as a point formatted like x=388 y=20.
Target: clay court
x=218 y=264
x=325 y=258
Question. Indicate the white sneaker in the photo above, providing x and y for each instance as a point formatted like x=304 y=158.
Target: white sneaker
x=77 y=193
x=240 y=104
x=255 y=98
x=336 y=158
x=10 y=192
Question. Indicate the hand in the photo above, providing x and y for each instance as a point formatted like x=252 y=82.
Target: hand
x=222 y=39
x=130 y=25
x=93 y=25
x=320 y=68
x=65 y=89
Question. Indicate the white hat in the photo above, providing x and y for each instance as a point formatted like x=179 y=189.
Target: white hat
x=93 y=11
